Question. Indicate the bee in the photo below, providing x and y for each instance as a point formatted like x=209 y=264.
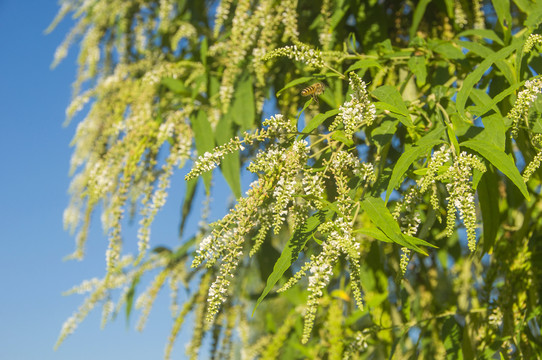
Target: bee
x=314 y=90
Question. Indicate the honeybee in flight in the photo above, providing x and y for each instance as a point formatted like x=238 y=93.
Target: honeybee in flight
x=314 y=90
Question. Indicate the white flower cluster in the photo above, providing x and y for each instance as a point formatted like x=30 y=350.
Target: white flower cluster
x=533 y=166
x=496 y=317
x=524 y=100
x=278 y=124
x=462 y=195
x=534 y=39
x=211 y=248
x=439 y=158
x=102 y=182
x=313 y=184
x=288 y=183
x=184 y=144
x=406 y=213
x=222 y=13
x=344 y=159
x=357 y=112
x=210 y=160
x=284 y=192
x=405 y=258
x=299 y=52
x=460 y=18
x=267 y=161
x=340 y=240
x=288 y=13
x=321 y=271
x=307 y=55
x=164 y=14
x=532 y=89
x=78 y=103
x=478 y=13
x=185 y=30
x=366 y=172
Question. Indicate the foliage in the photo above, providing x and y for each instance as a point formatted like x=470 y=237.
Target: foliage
x=388 y=217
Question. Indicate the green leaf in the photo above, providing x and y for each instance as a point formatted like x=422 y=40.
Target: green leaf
x=446 y=49
x=494 y=131
x=243 y=111
x=203 y=136
x=381 y=217
x=383 y=134
x=230 y=164
x=467 y=349
x=488 y=196
x=416 y=64
x=364 y=63
x=391 y=100
x=374 y=233
x=483 y=33
x=435 y=134
x=404 y=162
x=452 y=335
x=417 y=17
x=476 y=177
x=337 y=16
x=535 y=16
x=130 y=298
x=307 y=103
x=317 y=120
x=379 y=235
x=390 y=96
x=452 y=137
x=484 y=52
x=203 y=51
x=417 y=241
x=502 y=8
x=500 y=160
x=291 y=251
x=176 y=86
x=339 y=136
x=191 y=186
x=181 y=252
x=295 y=83
x=482 y=110
x=481 y=99
x=472 y=79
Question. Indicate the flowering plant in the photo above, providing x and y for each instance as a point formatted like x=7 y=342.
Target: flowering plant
x=369 y=215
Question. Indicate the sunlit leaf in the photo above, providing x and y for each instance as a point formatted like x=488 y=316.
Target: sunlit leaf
x=500 y=160
x=291 y=251
x=382 y=218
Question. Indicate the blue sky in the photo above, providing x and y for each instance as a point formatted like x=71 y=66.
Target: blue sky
x=34 y=183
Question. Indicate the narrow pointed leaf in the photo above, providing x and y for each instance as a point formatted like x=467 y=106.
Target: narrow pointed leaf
x=500 y=160
x=365 y=63
x=379 y=235
x=204 y=141
x=291 y=251
x=130 y=298
x=472 y=79
x=417 y=17
x=389 y=95
x=230 y=164
x=382 y=218
x=483 y=33
x=191 y=186
x=242 y=110
x=404 y=162
x=294 y=83
x=319 y=119
x=488 y=196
